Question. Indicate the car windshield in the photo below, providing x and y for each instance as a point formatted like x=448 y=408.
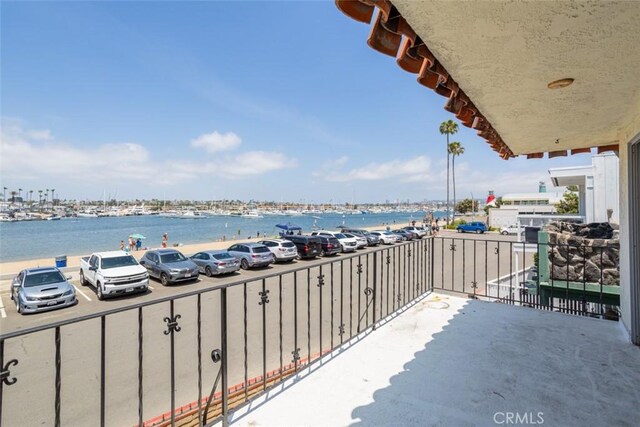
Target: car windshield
x=172 y=257
x=119 y=261
x=288 y=245
x=340 y=236
x=261 y=249
x=222 y=256
x=40 y=279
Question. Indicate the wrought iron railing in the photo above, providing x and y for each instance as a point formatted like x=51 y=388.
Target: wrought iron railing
x=574 y=279
x=194 y=357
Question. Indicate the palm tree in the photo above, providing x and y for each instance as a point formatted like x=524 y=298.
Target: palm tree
x=53 y=198
x=40 y=199
x=30 y=198
x=4 y=194
x=455 y=149
x=448 y=128
x=20 y=196
x=46 y=197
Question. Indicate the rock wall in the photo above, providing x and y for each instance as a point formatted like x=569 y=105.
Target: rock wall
x=584 y=252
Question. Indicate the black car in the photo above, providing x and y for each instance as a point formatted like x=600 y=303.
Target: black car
x=308 y=246
x=330 y=245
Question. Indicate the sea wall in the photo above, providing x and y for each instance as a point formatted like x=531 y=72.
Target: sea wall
x=584 y=252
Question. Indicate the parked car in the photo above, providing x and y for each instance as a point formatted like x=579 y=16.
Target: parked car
x=512 y=229
x=420 y=231
x=330 y=245
x=405 y=234
x=113 y=273
x=214 y=263
x=348 y=244
x=169 y=266
x=472 y=227
x=308 y=246
x=251 y=255
x=386 y=237
x=282 y=250
x=361 y=241
x=41 y=289
x=372 y=240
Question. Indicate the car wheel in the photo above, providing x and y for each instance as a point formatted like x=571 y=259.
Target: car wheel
x=18 y=307
x=208 y=271
x=459 y=230
x=83 y=281
x=244 y=264
x=504 y=233
x=164 y=279
x=99 y=291
x=478 y=231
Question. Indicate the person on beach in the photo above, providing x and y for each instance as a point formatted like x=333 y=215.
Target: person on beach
x=122 y=245
x=434 y=228
x=165 y=240
x=138 y=244
x=132 y=244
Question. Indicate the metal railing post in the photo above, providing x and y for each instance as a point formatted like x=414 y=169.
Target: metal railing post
x=225 y=358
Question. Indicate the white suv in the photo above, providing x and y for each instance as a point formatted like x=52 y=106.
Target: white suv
x=348 y=244
x=386 y=237
x=512 y=229
x=282 y=250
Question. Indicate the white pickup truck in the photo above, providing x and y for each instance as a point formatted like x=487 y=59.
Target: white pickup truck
x=113 y=273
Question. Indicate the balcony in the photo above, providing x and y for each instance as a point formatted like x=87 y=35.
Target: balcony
x=453 y=361
x=386 y=336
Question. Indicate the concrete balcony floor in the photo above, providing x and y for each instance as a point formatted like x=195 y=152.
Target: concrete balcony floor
x=451 y=361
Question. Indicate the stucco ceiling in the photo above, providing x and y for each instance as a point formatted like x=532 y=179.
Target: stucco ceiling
x=503 y=55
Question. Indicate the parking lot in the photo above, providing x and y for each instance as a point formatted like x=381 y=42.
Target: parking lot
x=302 y=313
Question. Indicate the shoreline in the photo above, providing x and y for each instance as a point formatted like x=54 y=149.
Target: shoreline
x=10 y=268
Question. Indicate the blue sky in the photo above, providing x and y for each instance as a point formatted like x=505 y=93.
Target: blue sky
x=211 y=100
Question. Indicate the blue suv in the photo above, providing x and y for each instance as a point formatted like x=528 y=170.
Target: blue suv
x=472 y=227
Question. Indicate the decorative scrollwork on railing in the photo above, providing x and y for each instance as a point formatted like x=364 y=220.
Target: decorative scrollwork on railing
x=399 y=298
x=296 y=355
x=264 y=297
x=452 y=247
x=368 y=291
x=172 y=324
x=359 y=268
x=496 y=250
x=5 y=374
x=341 y=329
x=320 y=280
x=388 y=259
x=474 y=284
x=216 y=355
x=409 y=253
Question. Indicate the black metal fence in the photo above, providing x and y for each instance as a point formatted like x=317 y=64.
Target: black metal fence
x=574 y=279
x=194 y=357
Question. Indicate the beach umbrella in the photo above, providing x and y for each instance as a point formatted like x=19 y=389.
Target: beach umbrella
x=289 y=227
x=137 y=236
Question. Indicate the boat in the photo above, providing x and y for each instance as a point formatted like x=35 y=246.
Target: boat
x=53 y=218
x=189 y=215
x=252 y=214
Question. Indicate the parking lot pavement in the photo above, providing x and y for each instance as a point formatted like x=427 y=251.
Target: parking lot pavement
x=88 y=302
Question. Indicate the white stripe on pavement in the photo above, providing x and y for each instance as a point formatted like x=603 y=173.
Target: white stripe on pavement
x=82 y=293
x=150 y=287
x=3 y=313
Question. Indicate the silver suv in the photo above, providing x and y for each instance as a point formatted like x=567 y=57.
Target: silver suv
x=40 y=289
x=251 y=255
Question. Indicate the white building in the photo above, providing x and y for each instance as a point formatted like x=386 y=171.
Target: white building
x=598 y=187
x=517 y=204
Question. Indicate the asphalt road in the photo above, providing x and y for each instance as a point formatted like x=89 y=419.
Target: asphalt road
x=299 y=315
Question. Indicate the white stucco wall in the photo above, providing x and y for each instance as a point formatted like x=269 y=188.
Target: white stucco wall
x=605 y=185
x=625 y=272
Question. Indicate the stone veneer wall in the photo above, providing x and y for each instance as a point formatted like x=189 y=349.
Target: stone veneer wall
x=584 y=252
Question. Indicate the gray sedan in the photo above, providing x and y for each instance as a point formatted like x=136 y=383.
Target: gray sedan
x=41 y=289
x=169 y=265
x=213 y=263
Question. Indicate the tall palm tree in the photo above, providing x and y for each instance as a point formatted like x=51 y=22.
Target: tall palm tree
x=448 y=128
x=20 y=196
x=53 y=198
x=455 y=149
x=4 y=194
x=30 y=198
x=40 y=199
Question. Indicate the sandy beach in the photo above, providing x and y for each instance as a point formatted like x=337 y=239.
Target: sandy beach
x=8 y=269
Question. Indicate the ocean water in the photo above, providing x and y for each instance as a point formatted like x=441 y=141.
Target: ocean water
x=81 y=236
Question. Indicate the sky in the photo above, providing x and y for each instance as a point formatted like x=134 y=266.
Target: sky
x=279 y=101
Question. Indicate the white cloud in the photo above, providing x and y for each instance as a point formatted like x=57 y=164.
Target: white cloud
x=27 y=156
x=39 y=135
x=411 y=170
x=215 y=141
